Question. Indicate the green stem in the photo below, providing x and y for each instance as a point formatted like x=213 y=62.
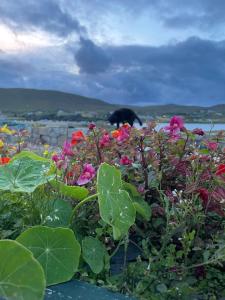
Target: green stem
x=76 y=208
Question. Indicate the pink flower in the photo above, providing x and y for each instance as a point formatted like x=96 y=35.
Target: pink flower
x=87 y=174
x=125 y=160
x=67 y=149
x=176 y=123
x=123 y=135
x=91 y=126
x=105 y=140
x=198 y=131
x=58 y=157
x=212 y=146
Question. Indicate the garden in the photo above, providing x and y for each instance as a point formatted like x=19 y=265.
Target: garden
x=137 y=211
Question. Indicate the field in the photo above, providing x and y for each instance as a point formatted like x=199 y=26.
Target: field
x=156 y=196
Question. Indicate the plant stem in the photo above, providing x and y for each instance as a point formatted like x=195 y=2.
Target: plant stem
x=76 y=208
x=144 y=163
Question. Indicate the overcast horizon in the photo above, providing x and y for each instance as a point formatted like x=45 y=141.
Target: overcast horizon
x=146 y=52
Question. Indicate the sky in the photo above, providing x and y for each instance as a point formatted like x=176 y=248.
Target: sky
x=140 y=52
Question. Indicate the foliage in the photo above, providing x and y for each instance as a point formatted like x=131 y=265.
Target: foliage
x=160 y=191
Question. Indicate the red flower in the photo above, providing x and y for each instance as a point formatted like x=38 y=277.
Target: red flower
x=91 y=126
x=4 y=160
x=198 y=131
x=77 y=137
x=125 y=160
x=212 y=146
x=220 y=170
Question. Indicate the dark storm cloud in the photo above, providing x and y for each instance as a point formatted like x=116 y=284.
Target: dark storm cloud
x=186 y=72
x=38 y=14
x=91 y=58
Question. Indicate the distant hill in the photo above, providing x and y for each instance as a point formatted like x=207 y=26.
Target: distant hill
x=18 y=100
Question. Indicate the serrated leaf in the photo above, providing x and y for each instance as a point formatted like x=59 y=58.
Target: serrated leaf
x=56 y=249
x=21 y=275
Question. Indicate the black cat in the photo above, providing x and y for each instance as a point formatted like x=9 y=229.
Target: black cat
x=123 y=115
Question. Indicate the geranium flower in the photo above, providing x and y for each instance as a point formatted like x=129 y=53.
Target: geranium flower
x=198 y=131
x=4 y=160
x=176 y=124
x=105 y=140
x=67 y=149
x=125 y=160
x=212 y=146
x=121 y=134
x=87 y=175
x=220 y=170
x=77 y=137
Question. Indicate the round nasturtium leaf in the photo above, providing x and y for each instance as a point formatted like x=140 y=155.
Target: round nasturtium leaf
x=56 y=249
x=59 y=215
x=94 y=253
x=21 y=275
x=115 y=205
x=24 y=175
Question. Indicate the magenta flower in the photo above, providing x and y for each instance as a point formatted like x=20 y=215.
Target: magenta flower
x=123 y=135
x=125 y=160
x=87 y=174
x=67 y=149
x=176 y=123
x=91 y=126
x=198 y=131
x=105 y=140
x=212 y=146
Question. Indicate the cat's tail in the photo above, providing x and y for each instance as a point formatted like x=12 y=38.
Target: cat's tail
x=139 y=120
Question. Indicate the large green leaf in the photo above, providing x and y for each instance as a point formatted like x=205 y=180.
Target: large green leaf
x=59 y=214
x=21 y=275
x=24 y=175
x=115 y=204
x=94 y=253
x=76 y=192
x=56 y=249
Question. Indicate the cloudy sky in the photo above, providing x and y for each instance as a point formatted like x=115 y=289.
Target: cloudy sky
x=122 y=51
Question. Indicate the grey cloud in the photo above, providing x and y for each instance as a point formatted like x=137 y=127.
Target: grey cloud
x=44 y=14
x=91 y=58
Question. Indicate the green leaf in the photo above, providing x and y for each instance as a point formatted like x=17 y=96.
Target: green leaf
x=21 y=275
x=140 y=204
x=116 y=207
x=24 y=175
x=31 y=155
x=142 y=208
x=59 y=214
x=56 y=249
x=76 y=192
x=94 y=253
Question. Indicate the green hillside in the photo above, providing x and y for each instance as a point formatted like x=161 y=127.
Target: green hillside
x=16 y=100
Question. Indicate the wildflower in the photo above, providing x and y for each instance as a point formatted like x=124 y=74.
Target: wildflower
x=125 y=160
x=198 y=131
x=91 y=126
x=6 y=130
x=77 y=137
x=220 y=170
x=1 y=143
x=176 y=124
x=126 y=126
x=115 y=133
x=87 y=175
x=67 y=149
x=4 y=160
x=105 y=140
x=212 y=146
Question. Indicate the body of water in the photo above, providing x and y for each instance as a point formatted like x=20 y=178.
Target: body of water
x=191 y=126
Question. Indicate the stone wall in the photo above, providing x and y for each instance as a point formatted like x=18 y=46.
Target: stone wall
x=51 y=135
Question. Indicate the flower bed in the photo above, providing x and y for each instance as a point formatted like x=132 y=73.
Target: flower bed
x=68 y=214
